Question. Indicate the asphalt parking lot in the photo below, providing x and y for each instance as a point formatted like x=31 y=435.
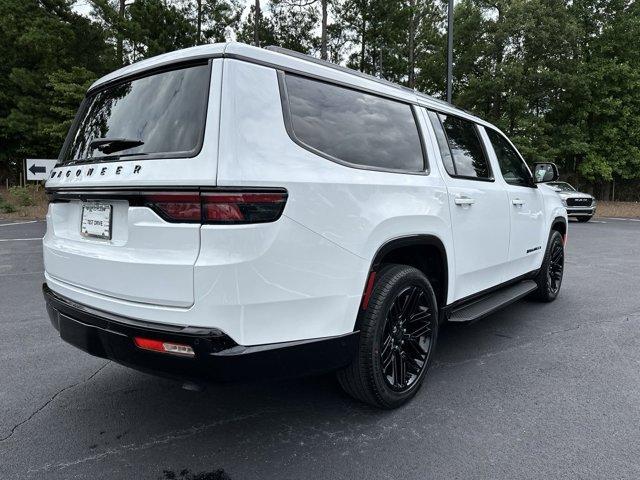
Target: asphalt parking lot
x=535 y=391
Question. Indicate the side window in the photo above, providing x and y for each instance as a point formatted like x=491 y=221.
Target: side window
x=354 y=127
x=447 y=159
x=469 y=159
x=513 y=168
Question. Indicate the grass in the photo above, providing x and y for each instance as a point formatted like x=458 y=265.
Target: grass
x=23 y=202
x=618 y=209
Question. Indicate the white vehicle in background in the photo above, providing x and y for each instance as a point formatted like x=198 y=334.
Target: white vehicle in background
x=226 y=212
x=581 y=206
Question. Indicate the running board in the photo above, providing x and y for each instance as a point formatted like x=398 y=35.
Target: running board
x=492 y=302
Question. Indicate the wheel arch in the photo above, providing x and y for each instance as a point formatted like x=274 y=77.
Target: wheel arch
x=425 y=252
x=559 y=224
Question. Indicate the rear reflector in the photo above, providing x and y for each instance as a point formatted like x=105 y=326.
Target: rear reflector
x=367 y=290
x=163 y=347
x=218 y=207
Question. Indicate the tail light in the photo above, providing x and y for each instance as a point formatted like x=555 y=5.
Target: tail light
x=218 y=207
x=182 y=207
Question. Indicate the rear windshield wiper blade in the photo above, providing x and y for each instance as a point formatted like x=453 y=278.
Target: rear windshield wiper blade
x=110 y=145
x=103 y=158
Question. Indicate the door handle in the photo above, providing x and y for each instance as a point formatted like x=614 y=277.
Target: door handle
x=517 y=202
x=463 y=200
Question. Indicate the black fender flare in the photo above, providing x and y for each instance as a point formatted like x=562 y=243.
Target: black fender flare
x=390 y=245
x=559 y=221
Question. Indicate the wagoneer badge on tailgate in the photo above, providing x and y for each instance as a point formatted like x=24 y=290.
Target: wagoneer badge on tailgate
x=118 y=170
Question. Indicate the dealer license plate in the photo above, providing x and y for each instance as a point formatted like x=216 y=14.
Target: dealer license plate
x=96 y=220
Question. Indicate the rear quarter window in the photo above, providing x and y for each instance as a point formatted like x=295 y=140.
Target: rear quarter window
x=353 y=127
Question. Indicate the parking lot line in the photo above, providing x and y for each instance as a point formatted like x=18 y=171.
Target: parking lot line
x=39 y=272
x=18 y=223
x=20 y=239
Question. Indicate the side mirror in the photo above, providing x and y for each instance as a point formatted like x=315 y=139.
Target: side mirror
x=545 y=172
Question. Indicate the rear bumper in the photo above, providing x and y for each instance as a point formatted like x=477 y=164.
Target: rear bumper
x=217 y=357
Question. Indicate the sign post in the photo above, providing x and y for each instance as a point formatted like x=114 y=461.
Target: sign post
x=38 y=168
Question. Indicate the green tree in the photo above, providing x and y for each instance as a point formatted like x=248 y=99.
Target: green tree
x=41 y=42
x=156 y=27
x=513 y=62
x=67 y=89
x=561 y=77
x=376 y=28
x=601 y=112
x=430 y=48
x=214 y=17
x=266 y=29
x=285 y=23
x=294 y=24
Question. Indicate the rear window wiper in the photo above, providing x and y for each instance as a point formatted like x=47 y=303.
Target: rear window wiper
x=102 y=158
x=110 y=145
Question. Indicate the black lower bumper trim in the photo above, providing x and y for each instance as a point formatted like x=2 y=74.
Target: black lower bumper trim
x=217 y=357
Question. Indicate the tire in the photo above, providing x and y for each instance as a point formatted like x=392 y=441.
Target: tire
x=390 y=365
x=549 y=278
x=583 y=218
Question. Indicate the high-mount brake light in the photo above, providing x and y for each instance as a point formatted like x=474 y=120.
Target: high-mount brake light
x=223 y=207
x=163 y=347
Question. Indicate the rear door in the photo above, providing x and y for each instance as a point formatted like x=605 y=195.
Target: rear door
x=478 y=205
x=526 y=206
x=122 y=221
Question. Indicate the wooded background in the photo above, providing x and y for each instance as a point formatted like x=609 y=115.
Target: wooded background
x=561 y=78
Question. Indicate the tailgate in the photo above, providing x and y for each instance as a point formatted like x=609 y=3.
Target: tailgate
x=152 y=129
x=146 y=260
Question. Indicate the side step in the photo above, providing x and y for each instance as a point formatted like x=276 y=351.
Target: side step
x=492 y=302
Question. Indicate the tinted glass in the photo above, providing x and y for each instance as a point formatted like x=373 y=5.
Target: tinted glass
x=513 y=169
x=354 y=127
x=466 y=148
x=442 y=143
x=166 y=111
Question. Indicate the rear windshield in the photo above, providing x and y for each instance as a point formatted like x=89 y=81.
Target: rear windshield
x=157 y=116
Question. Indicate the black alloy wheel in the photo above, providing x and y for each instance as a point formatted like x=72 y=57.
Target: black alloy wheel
x=406 y=341
x=556 y=268
x=398 y=335
x=549 y=277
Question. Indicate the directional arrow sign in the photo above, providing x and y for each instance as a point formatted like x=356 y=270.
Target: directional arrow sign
x=39 y=168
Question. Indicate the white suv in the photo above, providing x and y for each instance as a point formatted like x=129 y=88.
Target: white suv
x=226 y=212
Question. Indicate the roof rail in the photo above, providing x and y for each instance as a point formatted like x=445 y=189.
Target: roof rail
x=325 y=63
x=441 y=102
